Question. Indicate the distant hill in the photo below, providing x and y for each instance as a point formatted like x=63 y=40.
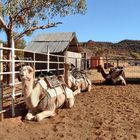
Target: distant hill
x=122 y=49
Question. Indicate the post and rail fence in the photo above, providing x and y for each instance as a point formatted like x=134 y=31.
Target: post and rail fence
x=50 y=62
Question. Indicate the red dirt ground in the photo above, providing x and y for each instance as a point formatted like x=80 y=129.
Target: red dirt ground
x=106 y=113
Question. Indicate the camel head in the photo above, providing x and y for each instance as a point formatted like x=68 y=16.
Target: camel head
x=26 y=73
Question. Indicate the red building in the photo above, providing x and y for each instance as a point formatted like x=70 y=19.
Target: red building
x=95 y=61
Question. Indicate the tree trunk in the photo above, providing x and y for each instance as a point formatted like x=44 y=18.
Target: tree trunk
x=9 y=45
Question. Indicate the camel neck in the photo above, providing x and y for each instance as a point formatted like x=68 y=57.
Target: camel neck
x=103 y=73
x=27 y=87
x=31 y=93
x=66 y=76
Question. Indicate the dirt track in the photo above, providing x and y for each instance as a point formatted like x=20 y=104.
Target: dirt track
x=106 y=113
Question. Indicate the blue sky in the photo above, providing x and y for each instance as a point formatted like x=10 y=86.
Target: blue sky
x=105 y=20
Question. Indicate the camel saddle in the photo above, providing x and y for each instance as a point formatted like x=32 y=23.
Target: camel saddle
x=76 y=73
x=52 y=81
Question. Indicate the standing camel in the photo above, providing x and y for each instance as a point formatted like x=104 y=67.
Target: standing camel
x=77 y=84
x=115 y=75
x=42 y=100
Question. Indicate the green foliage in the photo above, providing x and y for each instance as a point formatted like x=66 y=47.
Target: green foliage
x=135 y=55
x=19 y=44
x=99 y=52
x=26 y=14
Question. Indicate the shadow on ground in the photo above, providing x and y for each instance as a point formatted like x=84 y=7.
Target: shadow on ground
x=20 y=110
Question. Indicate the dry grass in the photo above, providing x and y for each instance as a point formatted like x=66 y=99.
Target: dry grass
x=132 y=71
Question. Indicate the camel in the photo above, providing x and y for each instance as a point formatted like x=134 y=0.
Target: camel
x=41 y=99
x=115 y=75
x=77 y=84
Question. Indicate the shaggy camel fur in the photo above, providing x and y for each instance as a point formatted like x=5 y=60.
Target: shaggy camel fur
x=115 y=75
x=41 y=100
x=77 y=84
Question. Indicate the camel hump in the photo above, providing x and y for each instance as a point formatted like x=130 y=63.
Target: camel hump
x=116 y=72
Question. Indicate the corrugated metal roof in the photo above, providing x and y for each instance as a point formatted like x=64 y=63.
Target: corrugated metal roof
x=59 y=36
x=56 y=42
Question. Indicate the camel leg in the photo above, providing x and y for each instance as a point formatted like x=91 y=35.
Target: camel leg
x=89 y=85
x=70 y=102
x=114 y=81
x=123 y=81
x=89 y=88
x=30 y=116
x=119 y=78
x=77 y=91
x=44 y=114
x=48 y=112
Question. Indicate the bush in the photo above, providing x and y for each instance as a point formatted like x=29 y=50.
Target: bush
x=135 y=55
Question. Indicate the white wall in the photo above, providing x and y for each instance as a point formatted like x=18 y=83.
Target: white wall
x=74 y=58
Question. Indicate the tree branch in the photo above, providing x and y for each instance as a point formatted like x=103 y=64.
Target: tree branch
x=35 y=28
x=10 y=24
x=2 y=24
x=24 y=11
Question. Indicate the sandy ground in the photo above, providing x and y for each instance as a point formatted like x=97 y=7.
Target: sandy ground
x=105 y=113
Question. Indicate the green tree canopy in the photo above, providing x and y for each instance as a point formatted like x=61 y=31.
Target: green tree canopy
x=23 y=16
x=135 y=55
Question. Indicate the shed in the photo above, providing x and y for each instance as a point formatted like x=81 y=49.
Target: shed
x=95 y=61
x=58 y=43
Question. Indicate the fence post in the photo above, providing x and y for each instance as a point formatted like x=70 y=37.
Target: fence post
x=34 y=64
x=13 y=76
x=76 y=62
x=1 y=87
x=48 y=59
x=85 y=64
x=58 y=65
x=117 y=62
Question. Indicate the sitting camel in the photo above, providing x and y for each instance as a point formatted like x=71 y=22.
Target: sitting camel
x=115 y=75
x=42 y=100
x=77 y=83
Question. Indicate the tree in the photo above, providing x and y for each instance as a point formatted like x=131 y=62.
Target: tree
x=20 y=44
x=135 y=55
x=26 y=14
x=99 y=52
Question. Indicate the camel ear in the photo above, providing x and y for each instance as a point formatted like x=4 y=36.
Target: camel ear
x=72 y=66
x=30 y=69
